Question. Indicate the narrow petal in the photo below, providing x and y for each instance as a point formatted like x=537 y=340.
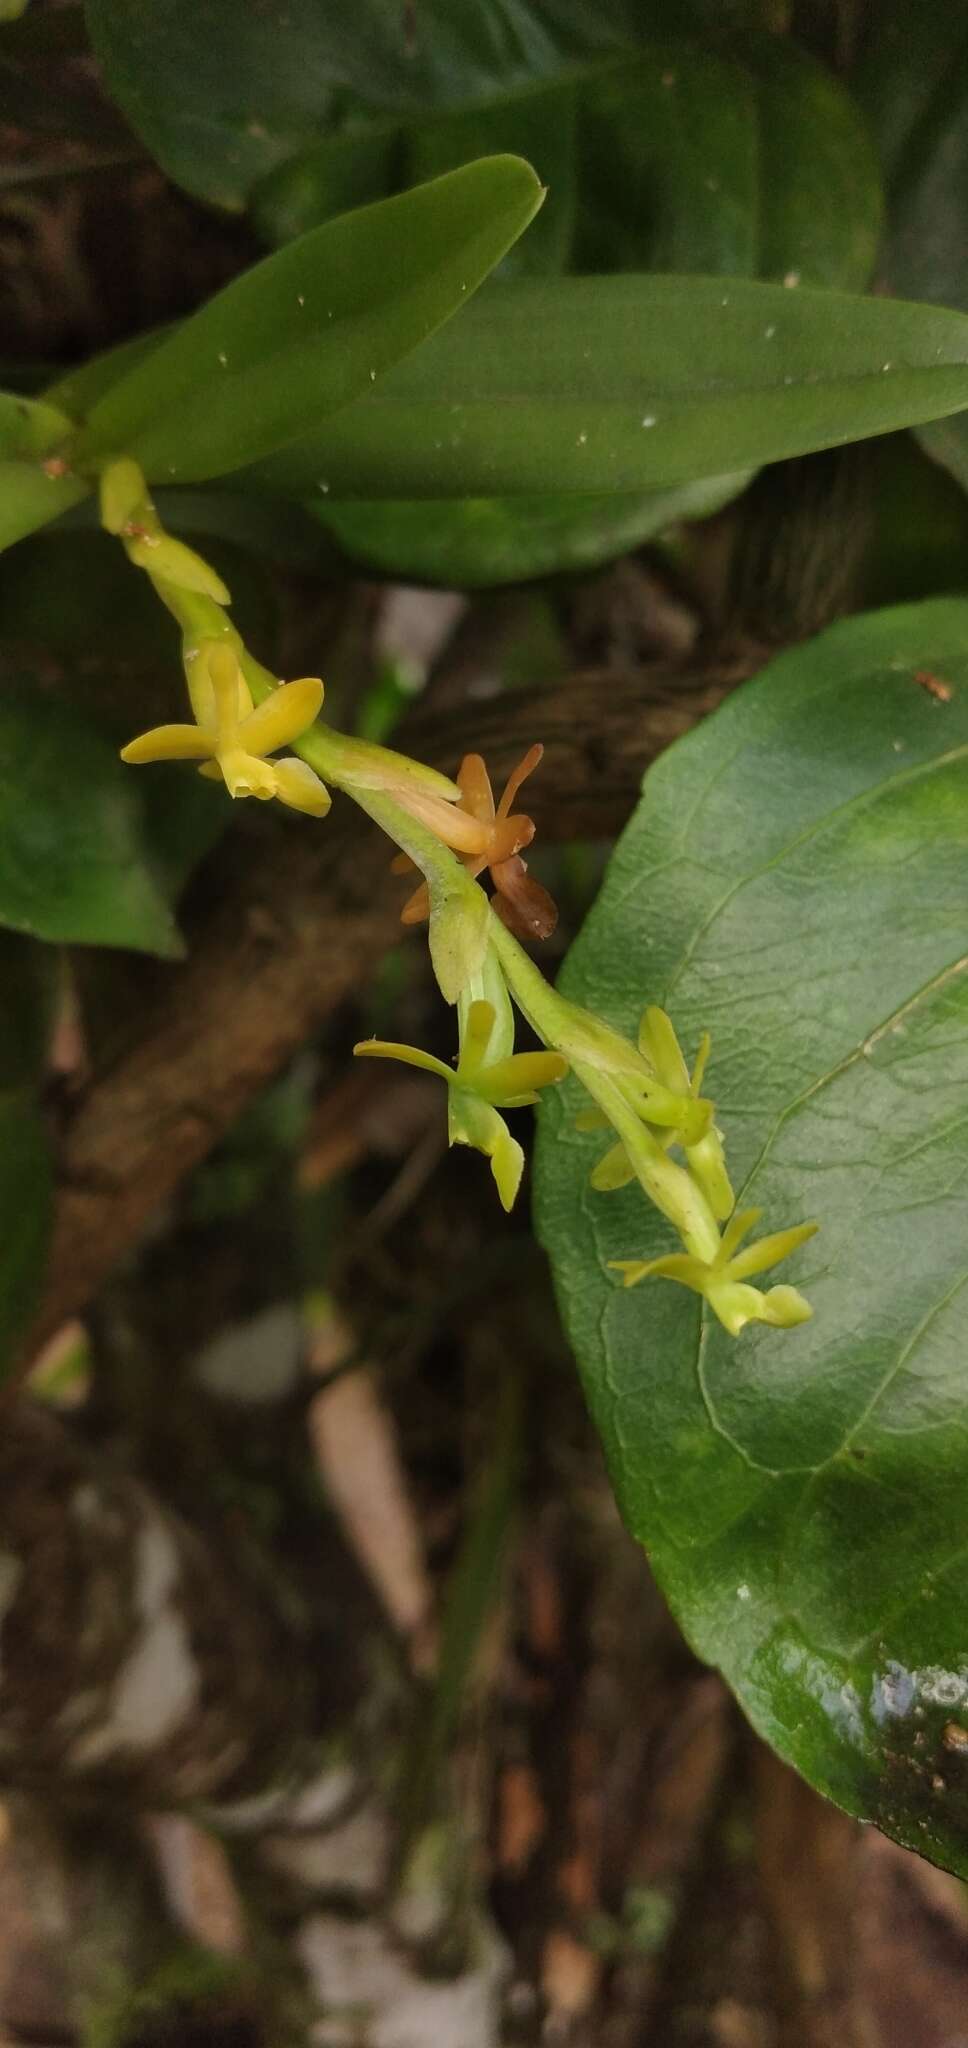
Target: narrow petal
x=170 y=743
x=417 y=906
x=507 y=1166
x=770 y=1250
x=707 y=1164
x=681 y=1266
x=223 y=672
x=526 y=766
x=402 y=864
x=658 y=1043
x=521 y=1074
x=476 y=1037
x=450 y=824
x=632 y=1270
x=411 y=1055
x=742 y=1223
x=705 y=1047
x=281 y=718
x=474 y=783
x=299 y=786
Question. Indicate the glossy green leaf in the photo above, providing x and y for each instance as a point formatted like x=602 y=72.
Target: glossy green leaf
x=630 y=384
x=305 y=331
x=475 y=542
x=674 y=157
x=30 y=499
x=223 y=94
x=29 y=426
x=795 y=880
x=72 y=864
x=914 y=86
x=25 y=1205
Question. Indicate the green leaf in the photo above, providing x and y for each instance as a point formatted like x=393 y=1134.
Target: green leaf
x=25 y=1206
x=756 y=164
x=914 y=86
x=475 y=542
x=311 y=327
x=29 y=499
x=72 y=865
x=223 y=94
x=795 y=879
x=672 y=157
x=638 y=384
x=29 y=426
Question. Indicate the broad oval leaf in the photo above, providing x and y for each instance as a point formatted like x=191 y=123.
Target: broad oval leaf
x=308 y=329
x=222 y=94
x=674 y=156
x=72 y=862
x=631 y=384
x=796 y=880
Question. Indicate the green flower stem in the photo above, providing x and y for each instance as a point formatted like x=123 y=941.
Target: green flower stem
x=586 y=1044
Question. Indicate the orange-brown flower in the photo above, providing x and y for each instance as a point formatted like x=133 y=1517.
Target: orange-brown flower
x=490 y=837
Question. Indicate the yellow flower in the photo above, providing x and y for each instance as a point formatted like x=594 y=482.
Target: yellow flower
x=671 y=1105
x=477 y=1088
x=232 y=738
x=723 y=1281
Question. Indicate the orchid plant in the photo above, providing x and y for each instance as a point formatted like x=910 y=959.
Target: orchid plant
x=665 y=1134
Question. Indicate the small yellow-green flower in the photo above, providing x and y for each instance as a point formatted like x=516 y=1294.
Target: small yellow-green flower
x=232 y=738
x=670 y=1103
x=477 y=1088
x=723 y=1281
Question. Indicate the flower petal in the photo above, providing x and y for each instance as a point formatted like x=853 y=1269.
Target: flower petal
x=299 y=786
x=171 y=743
x=281 y=718
x=526 y=766
x=417 y=906
x=475 y=1039
x=658 y=1043
x=474 y=783
x=411 y=1055
x=769 y=1250
x=521 y=1074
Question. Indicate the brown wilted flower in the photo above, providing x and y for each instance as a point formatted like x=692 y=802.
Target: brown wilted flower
x=489 y=837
